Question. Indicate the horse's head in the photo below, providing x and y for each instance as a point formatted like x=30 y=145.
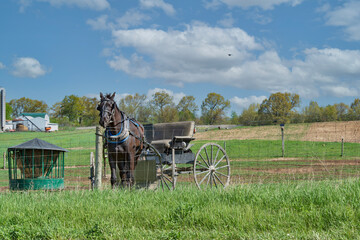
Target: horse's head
x=106 y=107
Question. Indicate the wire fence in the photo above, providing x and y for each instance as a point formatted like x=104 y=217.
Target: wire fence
x=262 y=154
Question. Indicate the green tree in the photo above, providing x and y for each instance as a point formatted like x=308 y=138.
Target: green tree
x=279 y=107
x=313 y=112
x=187 y=108
x=249 y=117
x=28 y=105
x=136 y=106
x=164 y=107
x=355 y=109
x=329 y=113
x=90 y=115
x=9 y=111
x=342 y=111
x=234 y=119
x=213 y=108
x=71 y=107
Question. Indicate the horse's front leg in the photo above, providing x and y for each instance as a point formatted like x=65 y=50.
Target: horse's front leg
x=130 y=181
x=112 y=163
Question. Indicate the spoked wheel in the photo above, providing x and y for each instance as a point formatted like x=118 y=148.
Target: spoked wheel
x=211 y=167
x=164 y=172
x=167 y=180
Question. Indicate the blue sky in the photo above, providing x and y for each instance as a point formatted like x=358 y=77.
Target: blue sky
x=242 y=49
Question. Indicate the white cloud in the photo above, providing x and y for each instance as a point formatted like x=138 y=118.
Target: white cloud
x=2 y=66
x=348 y=17
x=200 y=53
x=227 y=21
x=131 y=18
x=177 y=96
x=340 y=91
x=244 y=103
x=166 y=7
x=23 y=5
x=97 y=5
x=28 y=67
x=99 y=23
x=264 y=4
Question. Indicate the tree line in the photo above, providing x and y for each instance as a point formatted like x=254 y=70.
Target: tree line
x=279 y=108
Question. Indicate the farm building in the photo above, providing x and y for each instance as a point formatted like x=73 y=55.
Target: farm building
x=34 y=122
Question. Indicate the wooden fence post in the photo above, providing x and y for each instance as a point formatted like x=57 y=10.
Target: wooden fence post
x=282 y=140
x=92 y=170
x=4 y=156
x=342 y=147
x=98 y=157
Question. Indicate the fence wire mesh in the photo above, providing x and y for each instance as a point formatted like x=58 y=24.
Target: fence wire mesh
x=314 y=151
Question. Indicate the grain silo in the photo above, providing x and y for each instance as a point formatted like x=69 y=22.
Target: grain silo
x=2 y=109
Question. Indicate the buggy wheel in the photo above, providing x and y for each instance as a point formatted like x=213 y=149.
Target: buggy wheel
x=166 y=180
x=211 y=167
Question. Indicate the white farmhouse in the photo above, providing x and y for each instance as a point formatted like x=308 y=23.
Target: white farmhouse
x=36 y=122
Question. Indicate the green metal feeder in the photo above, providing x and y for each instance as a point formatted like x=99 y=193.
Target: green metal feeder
x=36 y=164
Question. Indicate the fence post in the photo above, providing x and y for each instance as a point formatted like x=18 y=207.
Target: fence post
x=4 y=157
x=92 y=170
x=98 y=157
x=282 y=140
x=342 y=147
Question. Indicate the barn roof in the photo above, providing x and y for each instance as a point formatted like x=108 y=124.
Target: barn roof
x=34 y=115
x=38 y=144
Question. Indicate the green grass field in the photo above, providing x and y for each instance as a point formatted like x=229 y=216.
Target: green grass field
x=252 y=161
x=307 y=210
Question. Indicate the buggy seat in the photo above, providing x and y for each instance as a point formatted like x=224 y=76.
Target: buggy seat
x=163 y=136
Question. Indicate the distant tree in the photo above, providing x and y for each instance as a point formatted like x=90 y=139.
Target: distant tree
x=187 y=108
x=279 y=107
x=355 y=109
x=234 y=119
x=90 y=116
x=164 y=107
x=313 y=112
x=249 y=117
x=28 y=105
x=213 y=108
x=9 y=111
x=342 y=111
x=131 y=103
x=329 y=113
x=71 y=107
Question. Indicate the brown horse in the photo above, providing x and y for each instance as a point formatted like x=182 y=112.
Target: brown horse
x=124 y=137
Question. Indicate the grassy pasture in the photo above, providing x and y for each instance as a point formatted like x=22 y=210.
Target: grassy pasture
x=306 y=210
x=252 y=160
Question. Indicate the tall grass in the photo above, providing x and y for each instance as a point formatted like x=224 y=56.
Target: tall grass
x=309 y=210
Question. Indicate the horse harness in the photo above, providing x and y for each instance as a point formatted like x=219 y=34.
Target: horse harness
x=125 y=131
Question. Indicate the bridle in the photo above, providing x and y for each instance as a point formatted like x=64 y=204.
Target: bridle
x=124 y=131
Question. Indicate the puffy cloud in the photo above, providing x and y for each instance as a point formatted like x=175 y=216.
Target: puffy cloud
x=227 y=21
x=2 y=66
x=166 y=7
x=231 y=57
x=28 y=67
x=264 y=4
x=347 y=16
x=243 y=103
x=100 y=23
x=131 y=18
x=97 y=5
